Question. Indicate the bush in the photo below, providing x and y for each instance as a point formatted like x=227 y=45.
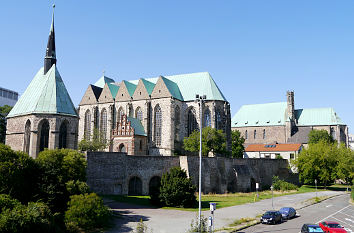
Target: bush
x=6 y=202
x=195 y=225
x=177 y=189
x=19 y=174
x=76 y=187
x=141 y=227
x=352 y=192
x=86 y=212
x=36 y=217
x=282 y=185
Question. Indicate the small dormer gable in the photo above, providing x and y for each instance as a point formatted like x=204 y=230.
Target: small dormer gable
x=160 y=90
x=125 y=91
x=91 y=95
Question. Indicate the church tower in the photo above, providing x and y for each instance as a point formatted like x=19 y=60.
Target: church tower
x=44 y=116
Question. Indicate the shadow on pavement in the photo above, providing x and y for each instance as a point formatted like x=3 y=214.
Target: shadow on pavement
x=122 y=220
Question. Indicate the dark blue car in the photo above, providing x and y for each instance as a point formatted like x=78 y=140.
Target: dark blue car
x=287 y=212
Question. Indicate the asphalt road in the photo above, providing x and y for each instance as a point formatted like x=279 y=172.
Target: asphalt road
x=335 y=209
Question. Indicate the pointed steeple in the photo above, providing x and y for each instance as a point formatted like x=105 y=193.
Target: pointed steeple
x=50 y=56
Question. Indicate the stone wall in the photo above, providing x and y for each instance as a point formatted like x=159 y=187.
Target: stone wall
x=111 y=173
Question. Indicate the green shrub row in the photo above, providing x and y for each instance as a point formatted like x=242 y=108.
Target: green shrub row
x=281 y=185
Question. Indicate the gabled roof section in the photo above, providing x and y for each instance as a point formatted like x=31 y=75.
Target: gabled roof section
x=91 y=95
x=148 y=85
x=102 y=81
x=113 y=87
x=130 y=87
x=191 y=84
x=125 y=91
x=269 y=114
x=160 y=89
x=45 y=94
x=138 y=127
x=106 y=95
x=272 y=147
x=141 y=91
x=317 y=116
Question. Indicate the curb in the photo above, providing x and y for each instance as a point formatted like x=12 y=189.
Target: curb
x=258 y=222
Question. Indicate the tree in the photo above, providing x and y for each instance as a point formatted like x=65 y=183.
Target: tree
x=177 y=189
x=97 y=143
x=318 y=161
x=345 y=165
x=4 y=110
x=316 y=136
x=213 y=140
x=19 y=174
x=237 y=147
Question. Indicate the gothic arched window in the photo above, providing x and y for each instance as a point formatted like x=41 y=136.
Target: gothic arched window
x=27 y=139
x=103 y=124
x=158 y=125
x=254 y=134
x=87 y=126
x=44 y=135
x=120 y=114
x=96 y=118
x=122 y=148
x=264 y=133
x=218 y=123
x=207 y=119
x=246 y=134
x=139 y=113
x=63 y=132
x=177 y=122
x=130 y=111
x=192 y=121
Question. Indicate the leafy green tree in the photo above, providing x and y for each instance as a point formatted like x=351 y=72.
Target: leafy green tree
x=237 y=147
x=177 y=189
x=318 y=161
x=19 y=174
x=4 y=111
x=96 y=143
x=76 y=187
x=345 y=165
x=59 y=166
x=316 y=136
x=213 y=140
x=86 y=212
x=7 y=202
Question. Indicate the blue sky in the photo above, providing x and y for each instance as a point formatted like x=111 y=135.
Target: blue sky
x=255 y=50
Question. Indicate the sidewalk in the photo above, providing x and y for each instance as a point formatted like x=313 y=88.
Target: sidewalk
x=163 y=221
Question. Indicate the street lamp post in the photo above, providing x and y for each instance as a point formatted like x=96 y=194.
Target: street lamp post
x=271 y=187
x=316 y=187
x=200 y=99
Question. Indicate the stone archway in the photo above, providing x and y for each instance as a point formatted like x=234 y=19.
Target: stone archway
x=154 y=184
x=135 y=186
x=122 y=148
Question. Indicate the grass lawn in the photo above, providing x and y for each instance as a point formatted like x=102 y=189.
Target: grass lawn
x=225 y=200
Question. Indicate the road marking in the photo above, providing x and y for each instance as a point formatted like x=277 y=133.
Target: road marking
x=348 y=219
x=334 y=213
x=347 y=214
x=328 y=206
x=342 y=221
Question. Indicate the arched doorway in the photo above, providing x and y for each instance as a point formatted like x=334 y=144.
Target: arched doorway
x=43 y=135
x=135 y=186
x=63 y=132
x=154 y=184
x=27 y=139
x=122 y=148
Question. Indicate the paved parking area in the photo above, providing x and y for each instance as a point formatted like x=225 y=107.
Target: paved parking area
x=344 y=216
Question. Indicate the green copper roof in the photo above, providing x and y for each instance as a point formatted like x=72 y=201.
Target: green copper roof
x=148 y=85
x=138 y=127
x=130 y=86
x=186 y=86
x=317 y=116
x=45 y=94
x=260 y=115
x=102 y=81
x=113 y=88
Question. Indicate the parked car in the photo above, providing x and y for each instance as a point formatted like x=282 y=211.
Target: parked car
x=332 y=227
x=306 y=228
x=288 y=212
x=271 y=217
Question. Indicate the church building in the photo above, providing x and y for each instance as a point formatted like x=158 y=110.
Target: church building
x=44 y=116
x=273 y=123
x=152 y=116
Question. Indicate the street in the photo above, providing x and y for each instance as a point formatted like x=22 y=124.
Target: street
x=334 y=209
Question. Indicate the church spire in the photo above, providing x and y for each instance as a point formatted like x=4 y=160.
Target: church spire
x=50 y=56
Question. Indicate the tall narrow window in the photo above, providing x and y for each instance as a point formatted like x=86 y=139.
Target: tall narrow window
x=103 y=124
x=177 y=122
x=218 y=123
x=139 y=114
x=27 y=137
x=44 y=135
x=333 y=133
x=158 y=125
x=192 y=122
x=246 y=134
x=254 y=134
x=120 y=114
x=264 y=134
x=130 y=111
x=207 y=119
x=87 y=126
x=96 y=118
x=63 y=132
